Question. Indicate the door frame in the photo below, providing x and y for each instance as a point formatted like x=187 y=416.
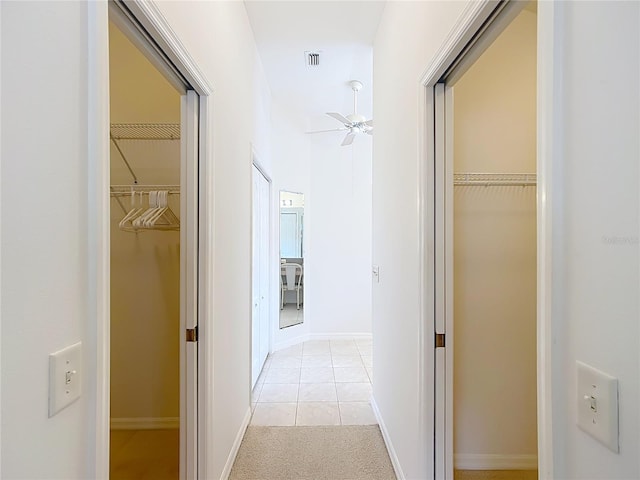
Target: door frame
x=549 y=38
x=98 y=238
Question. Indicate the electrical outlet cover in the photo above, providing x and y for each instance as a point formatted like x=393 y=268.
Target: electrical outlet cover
x=597 y=402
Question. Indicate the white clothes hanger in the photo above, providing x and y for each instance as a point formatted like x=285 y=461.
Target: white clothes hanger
x=157 y=216
x=162 y=208
x=126 y=222
x=163 y=218
x=153 y=206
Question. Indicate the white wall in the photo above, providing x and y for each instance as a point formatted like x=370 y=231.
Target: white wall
x=336 y=182
x=595 y=214
x=494 y=251
x=339 y=299
x=408 y=36
x=44 y=232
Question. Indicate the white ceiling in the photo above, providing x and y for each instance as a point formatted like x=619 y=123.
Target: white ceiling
x=343 y=30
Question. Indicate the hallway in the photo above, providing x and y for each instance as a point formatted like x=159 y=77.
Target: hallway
x=267 y=73
x=312 y=417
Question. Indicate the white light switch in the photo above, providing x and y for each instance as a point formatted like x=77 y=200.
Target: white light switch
x=376 y=273
x=597 y=398
x=65 y=368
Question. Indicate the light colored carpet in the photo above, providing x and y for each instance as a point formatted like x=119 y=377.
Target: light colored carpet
x=313 y=453
x=495 y=475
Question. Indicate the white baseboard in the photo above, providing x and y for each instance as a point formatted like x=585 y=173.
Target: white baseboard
x=387 y=440
x=145 y=423
x=472 y=461
x=340 y=336
x=289 y=342
x=236 y=446
x=320 y=336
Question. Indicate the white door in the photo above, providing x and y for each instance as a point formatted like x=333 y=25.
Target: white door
x=255 y=281
x=189 y=286
x=265 y=257
x=260 y=277
x=443 y=217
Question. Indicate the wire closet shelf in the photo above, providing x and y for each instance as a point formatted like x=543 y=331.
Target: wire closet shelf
x=145 y=131
x=156 y=215
x=495 y=179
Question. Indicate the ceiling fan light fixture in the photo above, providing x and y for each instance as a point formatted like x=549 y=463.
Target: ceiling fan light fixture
x=356 y=118
x=355 y=85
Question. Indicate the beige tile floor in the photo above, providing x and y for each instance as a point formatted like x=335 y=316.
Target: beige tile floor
x=319 y=382
x=144 y=454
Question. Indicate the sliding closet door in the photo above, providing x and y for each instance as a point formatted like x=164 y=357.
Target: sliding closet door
x=255 y=280
x=443 y=208
x=260 y=280
x=189 y=288
x=265 y=248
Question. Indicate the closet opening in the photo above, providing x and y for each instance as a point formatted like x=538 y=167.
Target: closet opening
x=154 y=213
x=485 y=263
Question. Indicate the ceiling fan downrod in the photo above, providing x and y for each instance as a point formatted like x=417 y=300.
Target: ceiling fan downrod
x=355 y=86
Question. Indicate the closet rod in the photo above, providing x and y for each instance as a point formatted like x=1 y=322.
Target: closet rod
x=124 y=210
x=125 y=190
x=495 y=179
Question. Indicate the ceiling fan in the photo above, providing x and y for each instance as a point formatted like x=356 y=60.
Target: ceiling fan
x=353 y=123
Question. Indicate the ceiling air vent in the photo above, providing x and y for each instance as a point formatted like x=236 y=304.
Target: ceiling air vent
x=312 y=58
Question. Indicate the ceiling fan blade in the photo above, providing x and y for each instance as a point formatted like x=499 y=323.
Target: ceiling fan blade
x=369 y=132
x=339 y=117
x=369 y=122
x=332 y=130
x=348 y=140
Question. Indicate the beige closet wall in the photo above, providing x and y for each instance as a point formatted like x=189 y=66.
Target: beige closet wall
x=145 y=267
x=495 y=250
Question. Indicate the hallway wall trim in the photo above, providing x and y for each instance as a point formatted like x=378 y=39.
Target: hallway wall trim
x=150 y=17
x=320 y=336
x=236 y=446
x=487 y=461
x=395 y=462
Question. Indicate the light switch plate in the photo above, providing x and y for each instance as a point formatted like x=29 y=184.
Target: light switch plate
x=597 y=399
x=65 y=375
x=376 y=273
